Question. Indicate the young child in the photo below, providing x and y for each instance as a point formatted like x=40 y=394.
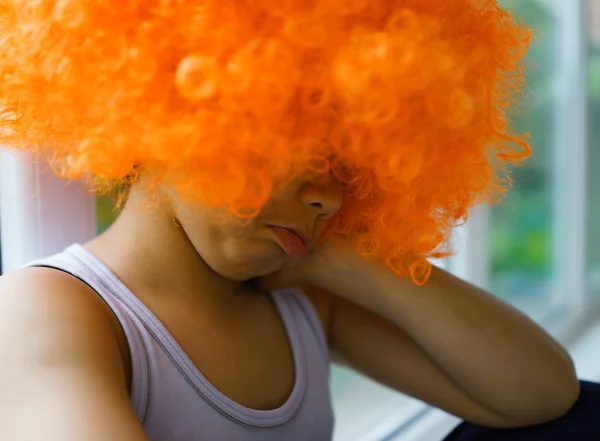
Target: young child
x=290 y=167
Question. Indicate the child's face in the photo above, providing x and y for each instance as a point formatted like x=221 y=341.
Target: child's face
x=245 y=250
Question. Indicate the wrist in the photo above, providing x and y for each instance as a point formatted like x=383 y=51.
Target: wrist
x=337 y=266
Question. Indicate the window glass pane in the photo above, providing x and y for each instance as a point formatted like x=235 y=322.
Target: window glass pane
x=521 y=226
x=106 y=212
x=361 y=405
x=593 y=267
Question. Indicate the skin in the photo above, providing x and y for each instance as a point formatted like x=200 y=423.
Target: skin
x=448 y=343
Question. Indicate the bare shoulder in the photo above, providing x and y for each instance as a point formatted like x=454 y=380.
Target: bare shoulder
x=60 y=362
x=48 y=313
x=46 y=293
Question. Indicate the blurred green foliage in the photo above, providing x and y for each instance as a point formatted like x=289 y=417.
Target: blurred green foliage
x=521 y=230
x=521 y=234
x=105 y=212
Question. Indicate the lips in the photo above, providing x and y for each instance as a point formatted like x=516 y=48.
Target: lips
x=292 y=244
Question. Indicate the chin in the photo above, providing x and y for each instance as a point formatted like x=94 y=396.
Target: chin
x=243 y=271
x=241 y=264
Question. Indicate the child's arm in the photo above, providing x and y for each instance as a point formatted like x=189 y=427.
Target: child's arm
x=448 y=343
x=61 y=373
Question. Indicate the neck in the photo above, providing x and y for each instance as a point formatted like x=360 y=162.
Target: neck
x=151 y=254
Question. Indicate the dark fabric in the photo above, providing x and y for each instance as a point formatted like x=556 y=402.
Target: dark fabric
x=581 y=423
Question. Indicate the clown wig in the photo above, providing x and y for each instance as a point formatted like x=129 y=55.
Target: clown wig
x=406 y=102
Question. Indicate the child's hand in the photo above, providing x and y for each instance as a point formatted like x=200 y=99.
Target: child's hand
x=325 y=257
x=292 y=274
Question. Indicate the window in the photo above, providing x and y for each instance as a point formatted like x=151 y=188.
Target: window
x=106 y=212
x=521 y=248
x=540 y=235
x=593 y=257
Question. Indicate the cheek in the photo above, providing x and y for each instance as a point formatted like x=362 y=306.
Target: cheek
x=233 y=249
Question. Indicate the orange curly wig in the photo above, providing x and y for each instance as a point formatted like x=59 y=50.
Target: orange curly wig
x=406 y=102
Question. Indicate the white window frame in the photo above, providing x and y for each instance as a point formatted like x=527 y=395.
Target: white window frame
x=40 y=214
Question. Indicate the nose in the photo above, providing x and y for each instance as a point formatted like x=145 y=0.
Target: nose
x=322 y=196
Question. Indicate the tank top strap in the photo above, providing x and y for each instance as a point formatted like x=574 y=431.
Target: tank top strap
x=302 y=307
x=76 y=262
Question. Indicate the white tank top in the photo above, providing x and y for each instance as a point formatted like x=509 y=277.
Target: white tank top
x=175 y=402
